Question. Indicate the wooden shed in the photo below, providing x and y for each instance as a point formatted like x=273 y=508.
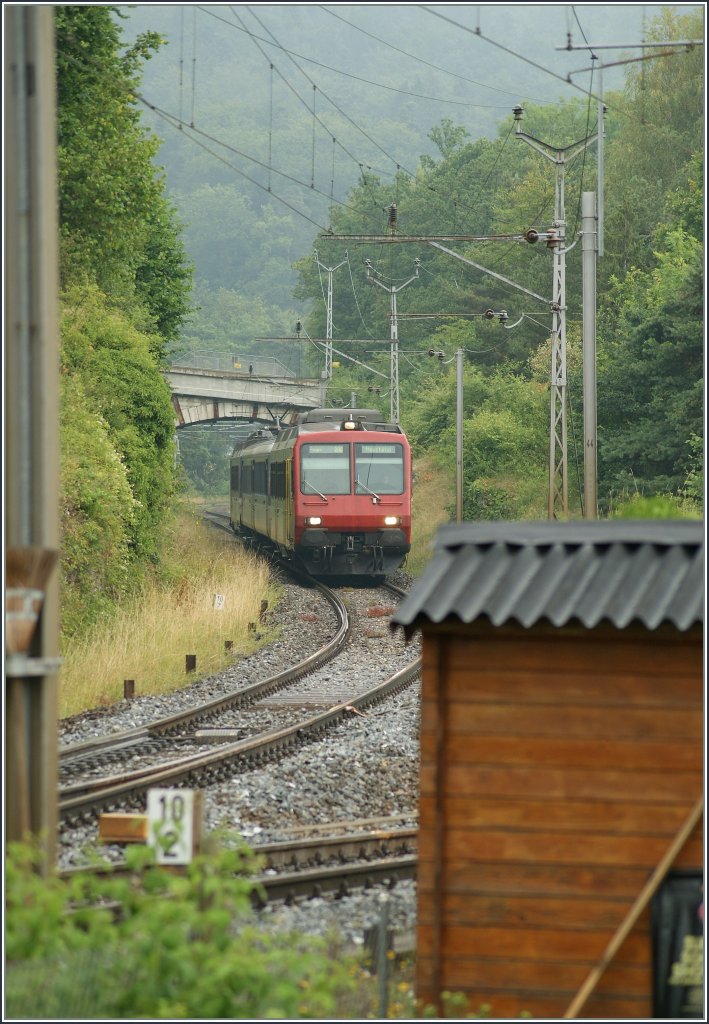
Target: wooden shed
x=561 y=792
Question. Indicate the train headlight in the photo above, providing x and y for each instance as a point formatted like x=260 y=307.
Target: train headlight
x=313 y=521
x=391 y=521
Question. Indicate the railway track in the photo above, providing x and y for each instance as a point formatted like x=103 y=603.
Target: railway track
x=228 y=751
x=314 y=866
x=150 y=737
x=202 y=748
x=300 y=872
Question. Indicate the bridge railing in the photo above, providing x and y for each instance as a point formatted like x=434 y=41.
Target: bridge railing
x=264 y=366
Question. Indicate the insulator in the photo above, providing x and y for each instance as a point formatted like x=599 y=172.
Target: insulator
x=531 y=236
x=503 y=316
x=553 y=238
x=392 y=215
x=489 y=314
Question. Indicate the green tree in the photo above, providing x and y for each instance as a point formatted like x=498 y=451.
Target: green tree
x=505 y=442
x=651 y=373
x=117 y=227
x=115 y=366
x=97 y=512
x=661 y=115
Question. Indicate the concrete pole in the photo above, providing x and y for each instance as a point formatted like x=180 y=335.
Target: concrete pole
x=31 y=424
x=589 y=249
x=601 y=161
x=459 y=437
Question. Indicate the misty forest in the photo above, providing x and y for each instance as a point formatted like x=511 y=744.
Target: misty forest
x=206 y=153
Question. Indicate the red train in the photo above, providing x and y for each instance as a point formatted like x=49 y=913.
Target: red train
x=332 y=492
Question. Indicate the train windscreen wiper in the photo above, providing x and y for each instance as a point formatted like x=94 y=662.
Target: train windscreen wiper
x=358 y=483
x=308 y=484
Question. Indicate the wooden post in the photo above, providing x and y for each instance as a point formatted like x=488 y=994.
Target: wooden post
x=128 y=689
x=190 y=662
x=636 y=910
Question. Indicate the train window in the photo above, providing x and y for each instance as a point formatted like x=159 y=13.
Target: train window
x=325 y=469
x=235 y=476
x=277 y=483
x=379 y=468
x=259 y=478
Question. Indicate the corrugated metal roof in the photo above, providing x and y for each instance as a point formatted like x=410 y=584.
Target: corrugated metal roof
x=618 y=571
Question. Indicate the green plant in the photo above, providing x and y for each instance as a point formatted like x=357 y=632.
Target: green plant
x=657 y=506
x=156 y=944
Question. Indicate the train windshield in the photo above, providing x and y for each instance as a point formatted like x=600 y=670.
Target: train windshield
x=325 y=469
x=379 y=468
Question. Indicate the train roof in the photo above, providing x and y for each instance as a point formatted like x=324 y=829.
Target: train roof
x=333 y=419
x=255 y=438
x=264 y=439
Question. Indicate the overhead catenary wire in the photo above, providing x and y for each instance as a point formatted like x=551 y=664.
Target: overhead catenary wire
x=366 y=81
x=300 y=99
x=172 y=120
x=288 y=53
x=506 y=49
x=421 y=60
x=328 y=98
x=175 y=123
x=180 y=124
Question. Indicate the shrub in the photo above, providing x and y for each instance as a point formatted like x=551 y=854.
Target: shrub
x=181 y=946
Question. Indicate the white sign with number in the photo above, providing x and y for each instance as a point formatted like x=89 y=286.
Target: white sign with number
x=171 y=824
x=219 y=602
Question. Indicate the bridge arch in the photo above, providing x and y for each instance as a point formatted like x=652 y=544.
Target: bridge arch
x=205 y=395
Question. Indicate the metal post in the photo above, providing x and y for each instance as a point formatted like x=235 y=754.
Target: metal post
x=588 y=244
x=393 y=336
x=558 y=464
x=394 y=374
x=32 y=413
x=459 y=437
x=558 y=474
x=328 y=324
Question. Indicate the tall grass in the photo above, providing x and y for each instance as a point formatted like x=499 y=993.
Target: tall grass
x=208 y=590
x=432 y=500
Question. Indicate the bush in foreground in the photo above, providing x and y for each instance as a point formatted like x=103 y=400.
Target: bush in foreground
x=155 y=944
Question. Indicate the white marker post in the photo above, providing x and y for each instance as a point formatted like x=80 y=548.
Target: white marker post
x=174 y=824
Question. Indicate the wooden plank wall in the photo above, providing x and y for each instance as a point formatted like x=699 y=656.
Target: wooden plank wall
x=556 y=768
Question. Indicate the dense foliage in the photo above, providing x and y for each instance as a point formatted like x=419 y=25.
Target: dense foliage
x=117 y=227
x=183 y=947
x=125 y=292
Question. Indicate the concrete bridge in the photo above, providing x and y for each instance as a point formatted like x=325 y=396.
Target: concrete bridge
x=205 y=395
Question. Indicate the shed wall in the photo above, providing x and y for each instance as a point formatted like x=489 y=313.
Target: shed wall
x=557 y=767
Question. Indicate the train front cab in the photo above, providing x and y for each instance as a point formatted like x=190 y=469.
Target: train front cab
x=352 y=500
